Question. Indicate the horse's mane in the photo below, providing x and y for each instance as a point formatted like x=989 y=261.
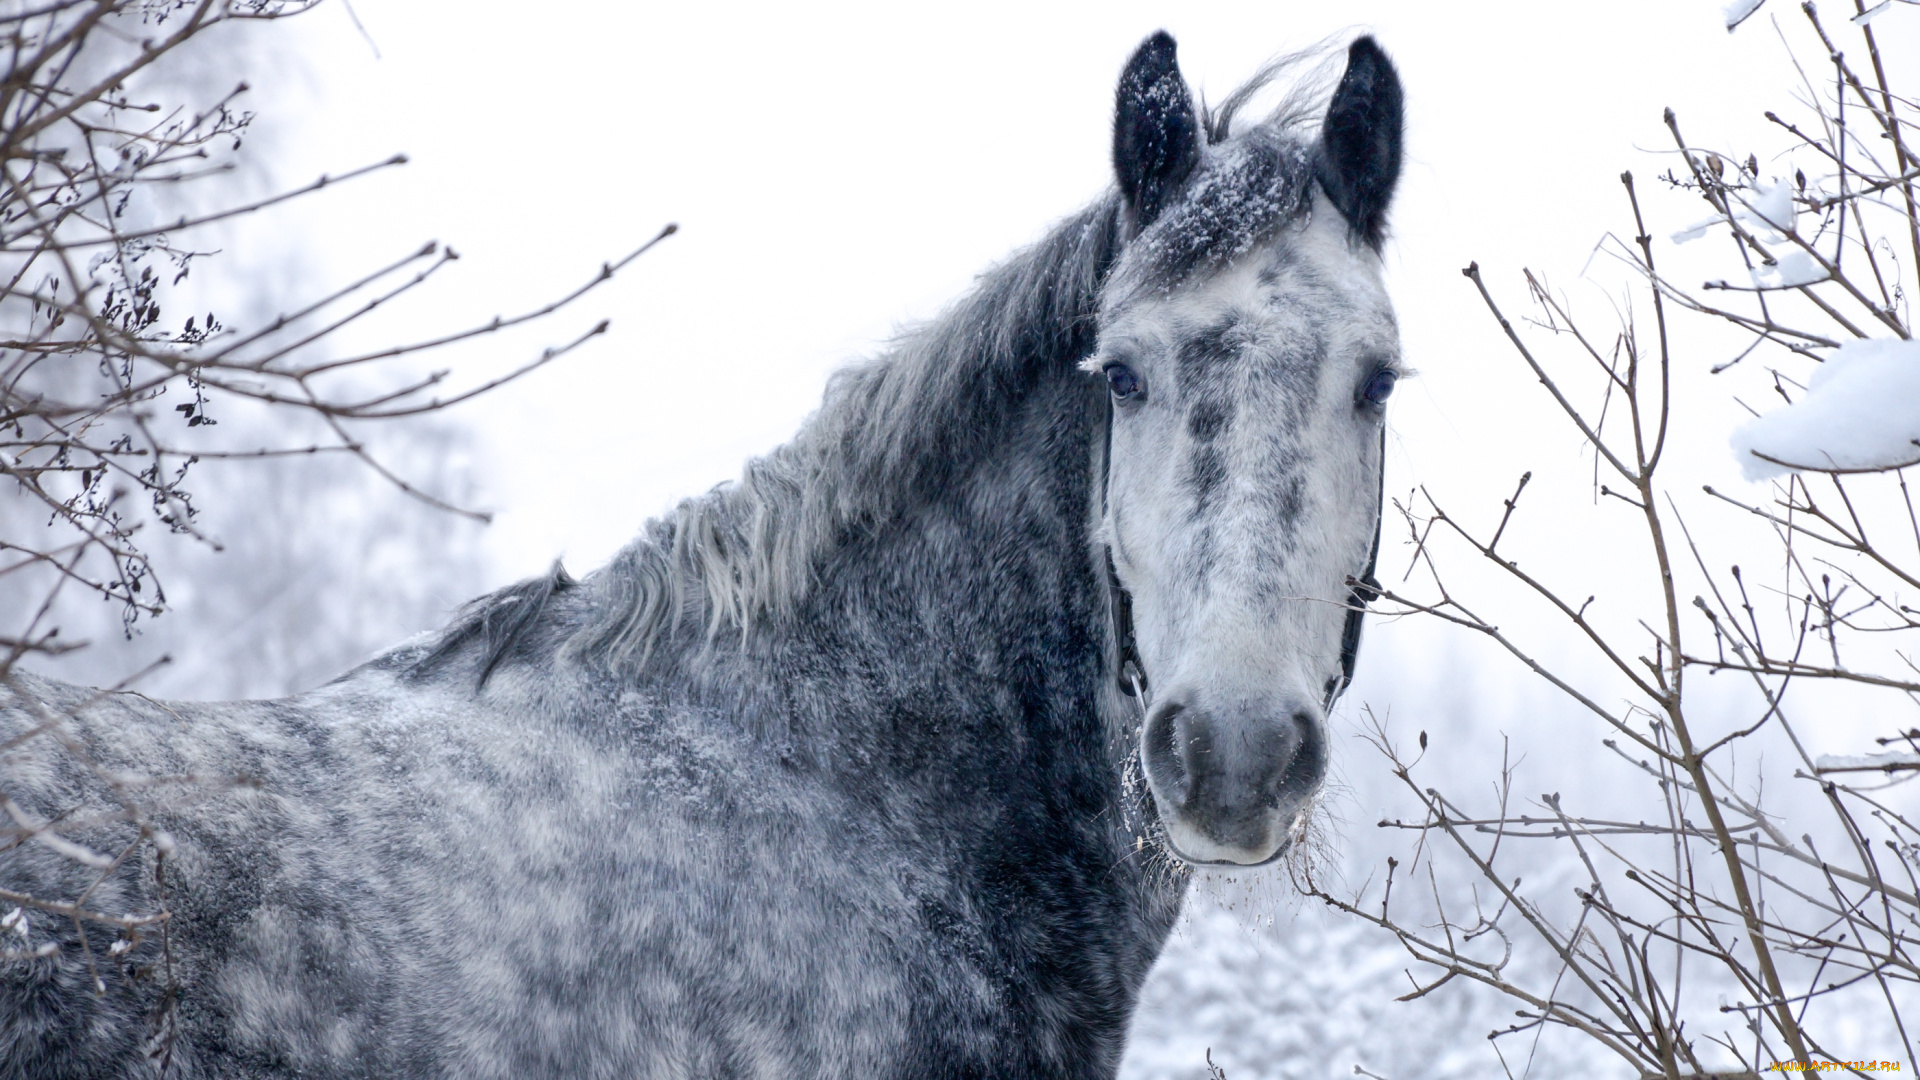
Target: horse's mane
x=891 y=428
x=885 y=436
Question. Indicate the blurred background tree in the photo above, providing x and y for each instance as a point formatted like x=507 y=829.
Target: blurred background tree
x=183 y=438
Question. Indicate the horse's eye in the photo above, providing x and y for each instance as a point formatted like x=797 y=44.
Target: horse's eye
x=1380 y=387
x=1123 y=381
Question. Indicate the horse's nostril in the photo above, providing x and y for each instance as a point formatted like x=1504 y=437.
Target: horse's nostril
x=1166 y=765
x=1309 y=761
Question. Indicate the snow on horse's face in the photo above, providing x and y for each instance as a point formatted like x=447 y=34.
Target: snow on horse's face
x=1249 y=348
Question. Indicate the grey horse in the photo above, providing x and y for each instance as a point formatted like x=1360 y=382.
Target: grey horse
x=888 y=759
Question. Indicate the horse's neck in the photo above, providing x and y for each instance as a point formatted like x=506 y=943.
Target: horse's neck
x=984 y=614
x=989 y=574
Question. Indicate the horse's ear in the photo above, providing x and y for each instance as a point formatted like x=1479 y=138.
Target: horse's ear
x=1156 y=135
x=1359 y=158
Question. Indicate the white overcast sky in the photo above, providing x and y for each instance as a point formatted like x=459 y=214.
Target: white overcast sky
x=839 y=171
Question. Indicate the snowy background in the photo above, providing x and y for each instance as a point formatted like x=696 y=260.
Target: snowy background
x=842 y=170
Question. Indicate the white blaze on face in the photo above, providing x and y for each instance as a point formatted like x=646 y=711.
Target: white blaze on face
x=1242 y=491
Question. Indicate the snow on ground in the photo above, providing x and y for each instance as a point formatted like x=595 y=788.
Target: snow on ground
x=1861 y=412
x=1311 y=996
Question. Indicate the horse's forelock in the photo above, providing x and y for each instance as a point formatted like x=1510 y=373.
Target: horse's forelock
x=1247 y=190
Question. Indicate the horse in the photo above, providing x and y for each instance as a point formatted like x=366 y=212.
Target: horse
x=891 y=758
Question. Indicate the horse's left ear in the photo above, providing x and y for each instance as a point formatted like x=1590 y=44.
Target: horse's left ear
x=1156 y=135
x=1359 y=158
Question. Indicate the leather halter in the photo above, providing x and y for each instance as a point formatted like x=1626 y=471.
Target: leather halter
x=1130 y=672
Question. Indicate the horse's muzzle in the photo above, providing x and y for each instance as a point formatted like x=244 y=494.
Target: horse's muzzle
x=1230 y=781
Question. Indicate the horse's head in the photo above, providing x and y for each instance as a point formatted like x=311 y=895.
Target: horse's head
x=1249 y=348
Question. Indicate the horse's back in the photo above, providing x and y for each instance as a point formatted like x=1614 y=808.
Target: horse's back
x=386 y=877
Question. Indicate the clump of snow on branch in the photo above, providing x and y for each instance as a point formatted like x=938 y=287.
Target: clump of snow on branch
x=1770 y=213
x=1791 y=270
x=1871 y=13
x=1889 y=763
x=1737 y=11
x=1861 y=412
x=1771 y=208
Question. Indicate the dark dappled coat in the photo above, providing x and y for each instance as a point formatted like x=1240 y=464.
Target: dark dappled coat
x=826 y=774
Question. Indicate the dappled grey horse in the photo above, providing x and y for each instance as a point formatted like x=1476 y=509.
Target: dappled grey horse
x=886 y=760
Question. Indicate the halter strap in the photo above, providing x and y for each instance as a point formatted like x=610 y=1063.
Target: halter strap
x=1366 y=589
x=1130 y=672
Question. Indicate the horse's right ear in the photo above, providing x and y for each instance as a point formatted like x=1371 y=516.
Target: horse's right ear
x=1156 y=135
